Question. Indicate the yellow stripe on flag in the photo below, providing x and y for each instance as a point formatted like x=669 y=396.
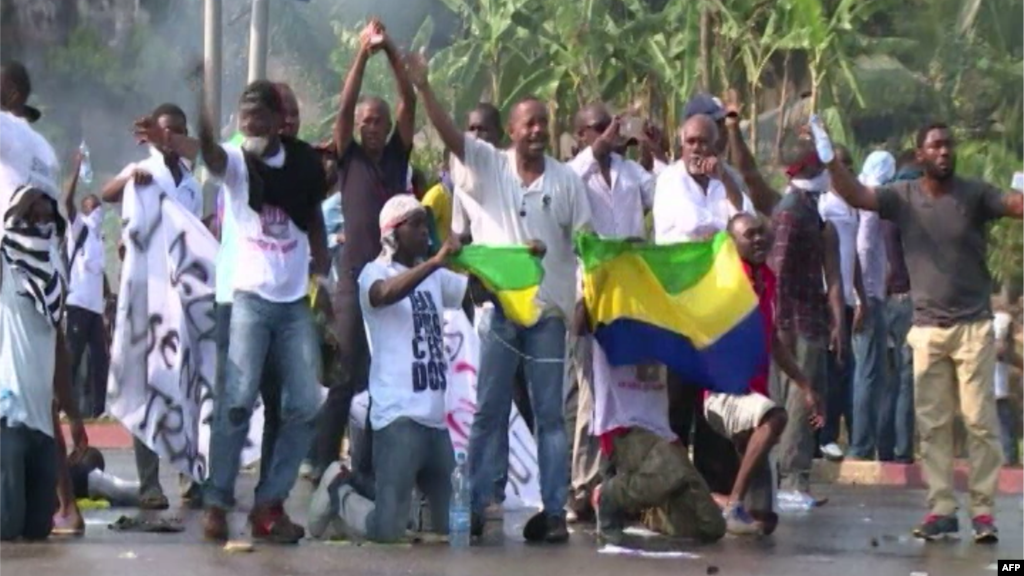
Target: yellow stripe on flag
x=702 y=313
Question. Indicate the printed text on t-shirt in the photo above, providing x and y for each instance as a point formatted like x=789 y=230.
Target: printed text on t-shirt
x=429 y=366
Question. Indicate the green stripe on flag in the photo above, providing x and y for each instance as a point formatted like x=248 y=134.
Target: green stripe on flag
x=501 y=267
x=676 y=266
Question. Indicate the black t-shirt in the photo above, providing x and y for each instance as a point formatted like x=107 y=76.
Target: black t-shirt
x=944 y=244
x=365 y=187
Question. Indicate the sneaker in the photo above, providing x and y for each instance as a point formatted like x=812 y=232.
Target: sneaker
x=738 y=522
x=935 y=527
x=271 y=524
x=558 y=531
x=832 y=452
x=798 y=501
x=985 y=531
x=215 y=525
x=323 y=506
x=610 y=524
x=769 y=521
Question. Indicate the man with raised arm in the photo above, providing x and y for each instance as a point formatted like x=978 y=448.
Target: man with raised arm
x=274 y=185
x=941 y=219
x=523 y=195
x=371 y=169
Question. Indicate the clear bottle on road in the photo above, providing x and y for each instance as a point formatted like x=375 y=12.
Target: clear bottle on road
x=85 y=170
x=458 y=510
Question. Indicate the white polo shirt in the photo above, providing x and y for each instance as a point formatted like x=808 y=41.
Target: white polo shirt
x=684 y=212
x=503 y=211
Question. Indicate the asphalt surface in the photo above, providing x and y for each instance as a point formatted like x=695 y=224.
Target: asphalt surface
x=862 y=530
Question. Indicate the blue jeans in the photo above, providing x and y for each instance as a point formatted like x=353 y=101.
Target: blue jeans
x=899 y=313
x=281 y=335
x=28 y=482
x=1008 y=430
x=542 y=349
x=874 y=396
x=407 y=455
x=839 y=398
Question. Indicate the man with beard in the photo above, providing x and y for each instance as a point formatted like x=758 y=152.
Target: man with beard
x=942 y=219
x=371 y=170
x=523 y=196
x=273 y=186
x=806 y=248
x=34 y=367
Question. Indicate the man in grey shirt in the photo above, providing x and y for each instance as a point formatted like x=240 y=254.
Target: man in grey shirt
x=942 y=219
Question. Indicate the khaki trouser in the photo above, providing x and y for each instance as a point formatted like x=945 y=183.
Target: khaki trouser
x=962 y=356
x=655 y=476
x=579 y=413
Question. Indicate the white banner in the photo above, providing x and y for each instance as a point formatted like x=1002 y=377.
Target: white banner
x=463 y=347
x=164 y=356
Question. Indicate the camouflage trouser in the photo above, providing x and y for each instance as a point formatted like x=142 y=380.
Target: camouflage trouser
x=655 y=477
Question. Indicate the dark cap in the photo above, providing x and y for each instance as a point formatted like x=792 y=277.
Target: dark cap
x=15 y=73
x=704 y=104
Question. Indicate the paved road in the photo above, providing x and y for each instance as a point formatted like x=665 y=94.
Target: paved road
x=861 y=531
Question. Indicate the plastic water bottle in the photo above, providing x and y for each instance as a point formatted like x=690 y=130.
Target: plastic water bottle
x=85 y=170
x=458 y=511
x=822 y=143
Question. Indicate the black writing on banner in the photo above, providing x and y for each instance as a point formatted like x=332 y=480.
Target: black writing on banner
x=1010 y=566
x=429 y=364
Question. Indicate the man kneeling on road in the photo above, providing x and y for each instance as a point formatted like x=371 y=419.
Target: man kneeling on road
x=402 y=295
x=752 y=421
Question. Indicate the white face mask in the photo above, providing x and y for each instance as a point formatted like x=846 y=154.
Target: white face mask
x=820 y=183
x=256 y=145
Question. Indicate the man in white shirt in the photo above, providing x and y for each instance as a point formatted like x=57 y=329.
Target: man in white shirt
x=839 y=404
x=1007 y=357
x=620 y=192
x=171 y=174
x=402 y=294
x=273 y=186
x=523 y=196
x=874 y=401
x=33 y=358
x=694 y=198
x=86 y=303
x=164 y=162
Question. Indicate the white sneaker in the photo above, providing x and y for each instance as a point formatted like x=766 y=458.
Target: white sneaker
x=795 y=501
x=323 y=508
x=833 y=452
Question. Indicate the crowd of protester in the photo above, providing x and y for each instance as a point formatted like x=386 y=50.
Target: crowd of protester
x=872 y=283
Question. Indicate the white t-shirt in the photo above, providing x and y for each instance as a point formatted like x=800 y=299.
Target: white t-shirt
x=844 y=218
x=187 y=193
x=684 y=212
x=86 y=275
x=27 y=340
x=628 y=397
x=26 y=158
x=504 y=211
x=273 y=251
x=408 y=365
x=1001 y=325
